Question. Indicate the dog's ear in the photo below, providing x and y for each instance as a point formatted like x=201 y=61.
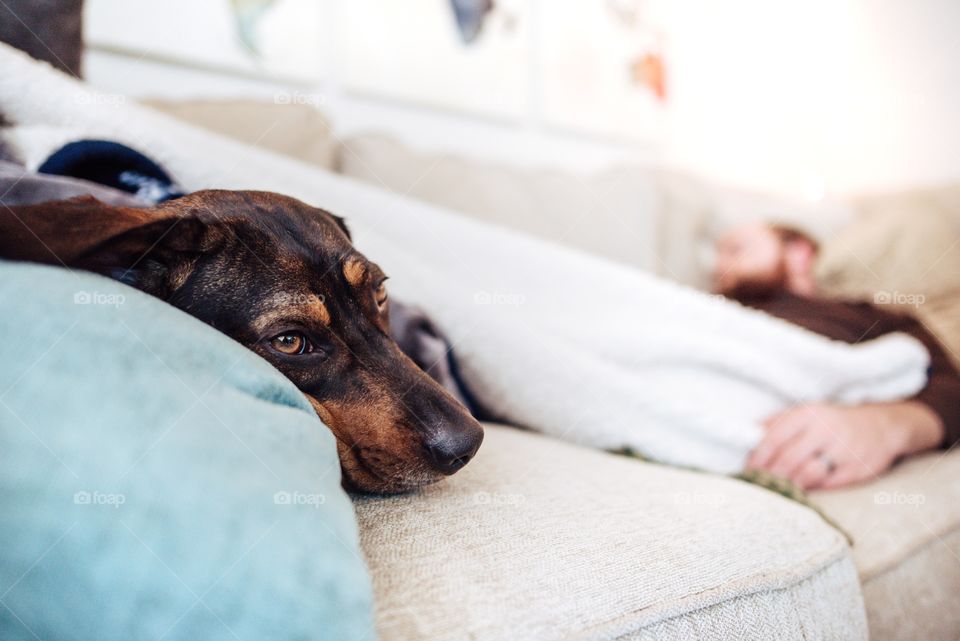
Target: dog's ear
x=57 y=232
x=138 y=246
x=342 y=224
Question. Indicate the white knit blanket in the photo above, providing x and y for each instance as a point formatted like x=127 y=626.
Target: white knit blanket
x=550 y=338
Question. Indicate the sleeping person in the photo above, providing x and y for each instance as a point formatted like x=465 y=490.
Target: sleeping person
x=770 y=268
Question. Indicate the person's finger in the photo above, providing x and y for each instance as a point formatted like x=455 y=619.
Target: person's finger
x=814 y=472
x=845 y=474
x=777 y=419
x=797 y=452
x=780 y=430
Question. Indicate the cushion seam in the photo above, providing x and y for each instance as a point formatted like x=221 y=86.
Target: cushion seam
x=627 y=623
x=935 y=537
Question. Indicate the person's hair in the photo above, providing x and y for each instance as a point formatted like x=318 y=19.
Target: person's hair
x=788 y=234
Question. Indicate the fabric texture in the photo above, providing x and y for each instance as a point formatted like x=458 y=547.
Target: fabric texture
x=520 y=337
x=7 y=157
x=159 y=480
x=917 y=598
x=802 y=611
x=906 y=540
x=539 y=539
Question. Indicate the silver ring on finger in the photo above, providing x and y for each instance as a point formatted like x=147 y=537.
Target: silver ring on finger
x=827 y=461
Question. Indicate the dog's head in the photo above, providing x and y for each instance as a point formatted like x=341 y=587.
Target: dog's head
x=283 y=279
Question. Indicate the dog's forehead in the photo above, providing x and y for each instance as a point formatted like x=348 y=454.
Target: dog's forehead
x=266 y=210
x=292 y=227
x=304 y=220
x=307 y=287
x=312 y=251
x=300 y=257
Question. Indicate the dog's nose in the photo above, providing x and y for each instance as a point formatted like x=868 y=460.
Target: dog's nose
x=451 y=449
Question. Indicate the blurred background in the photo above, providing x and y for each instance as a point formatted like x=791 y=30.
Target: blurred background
x=805 y=99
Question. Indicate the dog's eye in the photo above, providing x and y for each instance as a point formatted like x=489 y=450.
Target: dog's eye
x=380 y=293
x=292 y=344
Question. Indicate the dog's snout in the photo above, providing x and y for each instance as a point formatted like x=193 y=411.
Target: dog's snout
x=452 y=446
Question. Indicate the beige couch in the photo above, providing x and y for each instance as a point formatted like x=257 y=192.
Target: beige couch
x=538 y=539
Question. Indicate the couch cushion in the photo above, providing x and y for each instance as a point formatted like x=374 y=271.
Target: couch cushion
x=158 y=480
x=287 y=126
x=612 y=213
x=540 y=539
x=906 y=532
x=660 y=220
x=902 y=252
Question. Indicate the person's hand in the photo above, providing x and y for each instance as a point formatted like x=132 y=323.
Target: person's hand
x=828 y=446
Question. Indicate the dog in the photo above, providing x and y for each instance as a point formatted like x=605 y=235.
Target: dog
x=283 y=279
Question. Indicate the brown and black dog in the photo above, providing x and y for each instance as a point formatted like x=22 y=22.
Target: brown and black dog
x=283 y=279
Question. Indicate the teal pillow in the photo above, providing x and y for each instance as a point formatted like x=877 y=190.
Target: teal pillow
x=158 y=480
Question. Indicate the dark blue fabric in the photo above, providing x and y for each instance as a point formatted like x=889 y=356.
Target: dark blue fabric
x=114 y=165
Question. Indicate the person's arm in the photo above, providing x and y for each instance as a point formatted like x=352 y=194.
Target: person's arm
x=832 y=446
x=941 y=394
x=826 y=446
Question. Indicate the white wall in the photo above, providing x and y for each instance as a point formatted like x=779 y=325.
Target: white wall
x=841 y=95
x=804 y=97
x=902 y=119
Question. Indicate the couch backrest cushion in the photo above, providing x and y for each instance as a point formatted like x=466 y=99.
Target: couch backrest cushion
x=660 y=220
x=291 y=128
x=159 y=480
x=903 y=252
x=612 y=213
